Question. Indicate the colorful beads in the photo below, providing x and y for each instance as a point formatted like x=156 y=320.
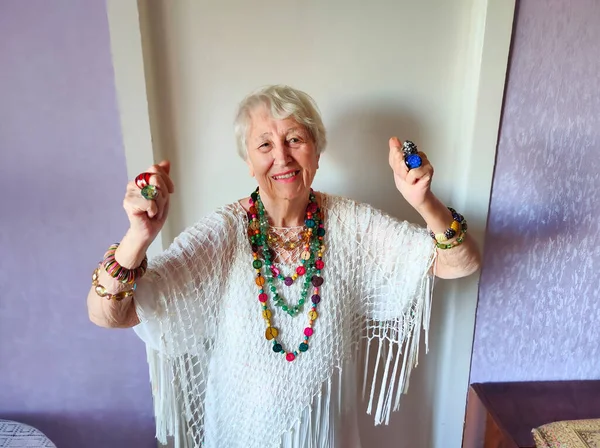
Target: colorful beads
x=101 y=290
x=458 y=241
x=120 y=273
x=459 y=223
x=312 y=263
x=271 y=333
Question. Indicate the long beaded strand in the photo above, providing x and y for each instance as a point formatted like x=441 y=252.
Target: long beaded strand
x=312 y=264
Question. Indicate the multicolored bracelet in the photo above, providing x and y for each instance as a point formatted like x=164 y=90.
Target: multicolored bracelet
x=459 y=223
x=115 y=270
x=102 y=292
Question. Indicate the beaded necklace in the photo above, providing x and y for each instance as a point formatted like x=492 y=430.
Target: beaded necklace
x=288 y=244
x=310 y=269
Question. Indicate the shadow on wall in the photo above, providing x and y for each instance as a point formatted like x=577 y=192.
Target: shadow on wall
x=161 y=95
x=81 y=430
x=358 y=147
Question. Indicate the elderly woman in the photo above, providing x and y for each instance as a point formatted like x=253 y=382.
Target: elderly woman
x=255 y=317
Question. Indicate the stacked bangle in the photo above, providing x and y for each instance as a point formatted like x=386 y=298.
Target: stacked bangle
x=120 y=273
x=101 y=290
x=459 y=224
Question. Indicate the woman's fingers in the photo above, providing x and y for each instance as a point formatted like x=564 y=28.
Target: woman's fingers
x=396 y=158
x=152 y=209
x=162 y=183
x=145 y=213
x=135 y=204
x=164 y=210
x=161 y=171
x=161 y=200
x=424 y=172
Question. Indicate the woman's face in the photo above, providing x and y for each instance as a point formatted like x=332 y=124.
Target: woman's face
x=282 y=155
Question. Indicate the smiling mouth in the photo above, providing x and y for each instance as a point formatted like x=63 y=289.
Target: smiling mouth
x=286 y=175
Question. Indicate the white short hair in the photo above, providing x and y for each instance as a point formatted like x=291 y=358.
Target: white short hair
x=283 y=102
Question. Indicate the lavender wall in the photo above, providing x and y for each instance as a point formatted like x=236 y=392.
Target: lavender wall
x=539 y=300
x=62 y=176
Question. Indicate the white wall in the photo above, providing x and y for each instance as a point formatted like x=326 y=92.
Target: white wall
x=412 y=69
x=375 y=71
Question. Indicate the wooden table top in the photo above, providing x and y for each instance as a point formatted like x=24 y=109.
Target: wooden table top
x=521 y=406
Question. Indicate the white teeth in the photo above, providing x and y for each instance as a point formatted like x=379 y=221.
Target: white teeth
x=285 y=176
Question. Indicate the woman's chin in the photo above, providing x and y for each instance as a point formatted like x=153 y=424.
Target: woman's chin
x=291 y=191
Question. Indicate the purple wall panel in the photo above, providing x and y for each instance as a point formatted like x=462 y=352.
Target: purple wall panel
x=62 y=178
x=539 y=302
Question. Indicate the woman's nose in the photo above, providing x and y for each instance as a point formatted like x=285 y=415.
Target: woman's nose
x=281 y=154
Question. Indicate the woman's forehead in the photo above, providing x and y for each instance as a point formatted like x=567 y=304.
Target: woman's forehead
x=263 y=125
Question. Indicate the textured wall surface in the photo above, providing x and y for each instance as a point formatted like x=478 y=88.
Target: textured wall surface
x=62 y=178
x=539 y=307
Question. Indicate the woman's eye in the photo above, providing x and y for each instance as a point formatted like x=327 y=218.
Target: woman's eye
x=264 y=146
x=294 y=140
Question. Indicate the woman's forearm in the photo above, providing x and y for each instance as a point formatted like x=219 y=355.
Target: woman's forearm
x=111 y=313
x=461 y=260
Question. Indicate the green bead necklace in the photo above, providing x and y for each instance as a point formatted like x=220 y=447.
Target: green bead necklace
x=310 y=269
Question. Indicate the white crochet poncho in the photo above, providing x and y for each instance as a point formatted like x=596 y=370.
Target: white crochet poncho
x=215 y=379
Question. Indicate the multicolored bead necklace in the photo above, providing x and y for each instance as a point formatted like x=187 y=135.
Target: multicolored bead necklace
x=310 y=269
x=288 y=244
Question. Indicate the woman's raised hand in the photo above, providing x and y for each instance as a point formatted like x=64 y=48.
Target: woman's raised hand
x=147 y=216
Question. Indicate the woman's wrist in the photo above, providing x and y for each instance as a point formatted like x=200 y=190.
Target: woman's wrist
x=131 y=251
x=435 y=213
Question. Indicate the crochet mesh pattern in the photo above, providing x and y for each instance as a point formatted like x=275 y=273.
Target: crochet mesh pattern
x=215 y=379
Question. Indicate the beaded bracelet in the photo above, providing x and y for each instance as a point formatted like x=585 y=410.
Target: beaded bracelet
x=102 y=292
x=459 y=223
x=457 y=242
x=115 y=270
x=451 y=231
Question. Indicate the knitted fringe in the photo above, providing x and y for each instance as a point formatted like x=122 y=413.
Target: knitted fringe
x=167 y=411
x=397 y=339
